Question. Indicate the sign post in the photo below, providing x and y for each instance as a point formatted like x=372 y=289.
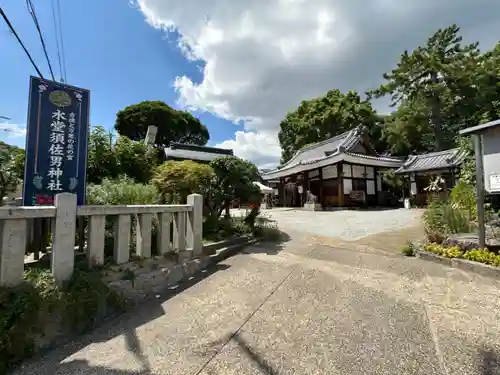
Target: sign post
x=56 y=142
x=487 y=150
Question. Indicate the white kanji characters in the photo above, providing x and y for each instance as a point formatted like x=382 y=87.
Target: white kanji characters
x=59 y=115
x=56 y=150
x=58 y=126
x=57 y=138
x=72 y=118
x=55 y=173
x=54 y=185
x=55 y=161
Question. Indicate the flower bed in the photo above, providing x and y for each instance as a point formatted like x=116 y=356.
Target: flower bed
x=476 y=255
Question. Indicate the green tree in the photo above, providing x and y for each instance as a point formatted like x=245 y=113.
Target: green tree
x=175 y=180
x=407 y=129
x=101 y=160
x=173 y=125
x=135 y=159
x=11 y=168
x=321 y=118
x=233 y=179
x=110 y=158
x=437 y=75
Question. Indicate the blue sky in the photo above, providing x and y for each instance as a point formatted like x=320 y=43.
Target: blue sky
x=257 y=60
x=120 y=58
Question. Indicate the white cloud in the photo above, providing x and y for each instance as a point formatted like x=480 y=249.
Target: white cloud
x=13 y=130
x=262 y=57
x=261 y=148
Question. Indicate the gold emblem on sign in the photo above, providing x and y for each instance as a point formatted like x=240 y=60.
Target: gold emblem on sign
x=60 y=98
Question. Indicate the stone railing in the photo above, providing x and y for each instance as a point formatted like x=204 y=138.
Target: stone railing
x=179 y=229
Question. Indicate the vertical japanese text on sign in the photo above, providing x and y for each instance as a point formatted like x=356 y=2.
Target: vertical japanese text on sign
x=56 y=144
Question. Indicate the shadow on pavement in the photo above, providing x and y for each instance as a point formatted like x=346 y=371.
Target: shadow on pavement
x=270 y=246
x=263 y=365
x=124 y=324
x=82 y=367
x=490 y=362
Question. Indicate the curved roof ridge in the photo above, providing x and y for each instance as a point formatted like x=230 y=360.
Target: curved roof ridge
x=347 y=135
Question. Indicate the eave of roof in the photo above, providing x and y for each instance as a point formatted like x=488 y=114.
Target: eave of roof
x=480 y=128
x=191 y=155
x=433 y=161
x=355 y=158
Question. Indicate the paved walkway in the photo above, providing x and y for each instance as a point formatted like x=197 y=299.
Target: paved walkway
x=302 y=308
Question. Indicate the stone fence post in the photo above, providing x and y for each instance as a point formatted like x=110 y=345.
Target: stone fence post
x=194 y=233
x=63 y=237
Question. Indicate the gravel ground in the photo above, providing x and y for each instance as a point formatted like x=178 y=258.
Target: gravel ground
x=302 y=308
x=348 y=225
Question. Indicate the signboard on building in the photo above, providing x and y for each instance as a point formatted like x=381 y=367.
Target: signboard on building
x=56 y=142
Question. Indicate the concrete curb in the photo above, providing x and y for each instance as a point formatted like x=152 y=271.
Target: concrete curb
x=465 y=265
x=151 y=283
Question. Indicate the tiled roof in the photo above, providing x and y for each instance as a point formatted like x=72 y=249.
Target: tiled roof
x=433 y=161
x=379 y=158
x=317 y=151
x=340 y=147
x=195 y=152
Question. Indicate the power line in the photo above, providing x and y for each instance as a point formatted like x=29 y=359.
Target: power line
x=61 y=40
x=31 y=10
x=56 y=32
x=20 y=42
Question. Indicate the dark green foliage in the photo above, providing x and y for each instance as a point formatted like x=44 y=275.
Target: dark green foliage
x=109 y=159
x=443 y=218
x=11 y=168
x=173 y=125
x=233 y=179
x=26 y=309
x=324 y=117
x=175 y=180
x=429 y=79
x=408 y=250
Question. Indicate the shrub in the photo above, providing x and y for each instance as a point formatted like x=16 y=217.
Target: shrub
x=483 y=256
x=26 y=309
x=452 y=252
x=123 y=190
x=233 y=179
x=477 y=255
x=267 y=229
x=463 y=196
x=175 y=180
x=408 y=250
x=442 y=219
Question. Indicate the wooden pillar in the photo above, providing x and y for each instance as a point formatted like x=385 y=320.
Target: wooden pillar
x=321 y=198
x=340 y=179
x=305 y=186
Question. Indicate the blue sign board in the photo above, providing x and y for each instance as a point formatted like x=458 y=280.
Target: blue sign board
x=56 y=142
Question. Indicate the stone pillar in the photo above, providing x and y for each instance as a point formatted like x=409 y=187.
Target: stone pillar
x=195 y=224
x=165 y=234
x=12 y=246
x=143 y=235
x=121 y=253
x=63 y=237
x=180 y=231
x=95 y=245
